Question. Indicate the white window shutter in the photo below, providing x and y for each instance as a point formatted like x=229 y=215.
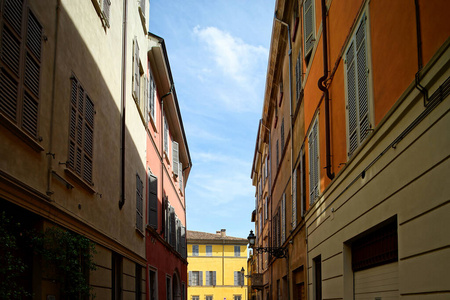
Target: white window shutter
x=308 y=17
x=175 y=158
x=136 y=71
x=200 y=278
x=180 y=176
x=207 y=279
x=166 y=136
x=190 y=278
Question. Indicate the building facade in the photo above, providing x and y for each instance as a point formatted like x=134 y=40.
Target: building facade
x=217 y=265
x=353 y=131
x=74 y=80
x=168 y=166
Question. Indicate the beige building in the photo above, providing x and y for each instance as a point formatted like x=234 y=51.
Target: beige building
x=73 y=143
x=354 y=131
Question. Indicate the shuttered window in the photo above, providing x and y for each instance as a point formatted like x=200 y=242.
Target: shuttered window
x=139 y=202
x=136 y=71
x=294 y=198
x=282 y=135
x=238 y=278
x=357 y=75
x=151 y=97
x=283 y=218
x=175 y=158
x=106 y=12
x=314 y=170
x=153 y=201
x=308 y=26
x=298 y=75
x=81 y=137
x=166 y=136
x=195 y=278
x=20 y=64
x=210 y=278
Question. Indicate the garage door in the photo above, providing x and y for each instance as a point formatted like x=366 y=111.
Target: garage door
x=377 y=283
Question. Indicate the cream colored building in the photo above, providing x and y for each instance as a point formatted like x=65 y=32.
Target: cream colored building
x=217 y=266
x=73 y=144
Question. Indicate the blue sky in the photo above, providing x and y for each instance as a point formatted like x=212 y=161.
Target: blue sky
x=218 y=52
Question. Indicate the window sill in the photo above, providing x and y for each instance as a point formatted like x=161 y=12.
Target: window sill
x=25 y=137
x=81 y=182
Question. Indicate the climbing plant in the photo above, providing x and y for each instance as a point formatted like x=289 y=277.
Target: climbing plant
x=67 y=258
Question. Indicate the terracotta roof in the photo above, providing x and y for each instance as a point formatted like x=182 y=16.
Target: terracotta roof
x=198 y=235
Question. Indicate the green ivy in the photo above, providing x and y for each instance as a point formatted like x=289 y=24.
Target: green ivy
x=12 y=267
x=67 y=259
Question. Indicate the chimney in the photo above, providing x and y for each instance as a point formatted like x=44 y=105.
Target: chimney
x=223 y=232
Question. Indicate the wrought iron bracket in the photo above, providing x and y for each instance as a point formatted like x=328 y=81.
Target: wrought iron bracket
x=278 y=252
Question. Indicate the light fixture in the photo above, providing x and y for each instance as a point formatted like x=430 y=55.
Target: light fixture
x=277 y=252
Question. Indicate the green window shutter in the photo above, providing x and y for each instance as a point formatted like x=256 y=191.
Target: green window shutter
x=175 y=158
x=153 y=201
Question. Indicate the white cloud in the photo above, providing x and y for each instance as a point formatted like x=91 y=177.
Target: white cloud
x=234 y=57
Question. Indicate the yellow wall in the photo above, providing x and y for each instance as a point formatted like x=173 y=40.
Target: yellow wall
x=225 y=264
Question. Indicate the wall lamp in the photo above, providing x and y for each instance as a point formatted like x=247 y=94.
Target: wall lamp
x=277 y=252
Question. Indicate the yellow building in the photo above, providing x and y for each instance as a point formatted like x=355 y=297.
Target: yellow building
x=217 y=264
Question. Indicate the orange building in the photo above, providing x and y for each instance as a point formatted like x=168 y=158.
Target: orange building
x=354 y=130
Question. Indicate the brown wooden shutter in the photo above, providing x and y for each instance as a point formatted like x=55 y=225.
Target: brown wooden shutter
x=153 y=201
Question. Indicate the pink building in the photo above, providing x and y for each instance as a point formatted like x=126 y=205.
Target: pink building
x=168 y=167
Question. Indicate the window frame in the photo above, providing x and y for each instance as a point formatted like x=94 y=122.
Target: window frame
x=313 y=186
x=364 y=17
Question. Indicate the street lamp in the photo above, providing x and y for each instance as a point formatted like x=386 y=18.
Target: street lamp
x=277 y=252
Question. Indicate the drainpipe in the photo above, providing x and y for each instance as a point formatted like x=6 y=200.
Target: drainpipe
x=324 y=89
x=422 y=89
x=123 y=102
x=50 y=154
x=290 y=114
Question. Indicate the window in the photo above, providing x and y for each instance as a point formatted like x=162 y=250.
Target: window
x=283 y=218
x=208 y=250
x=168 y=288
x=238 y=278
x=195 y=278
x=166 y=137
x=151 y=96
x=194 y=250
x=237 y=297
x=237 y=251
x=138 y=282
x=266 y=208
x=314 y=170
x=175 y=158
x=358 y=111
x=136 y=71
x=208 y=297
x=317 y=277
x=152 y=201
x=278 y=158
x=183 y=291
x=295 y=21
x=153 y=285
x=172 y=227
x=103 y=8
x=298 y=198
x=309 y=27
x=81 y=138
x=282 y=135
x=210 y=278
x=195 y=297
x=116 y=276
x=19 y=82
x=298 y=75
x=139 y=202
